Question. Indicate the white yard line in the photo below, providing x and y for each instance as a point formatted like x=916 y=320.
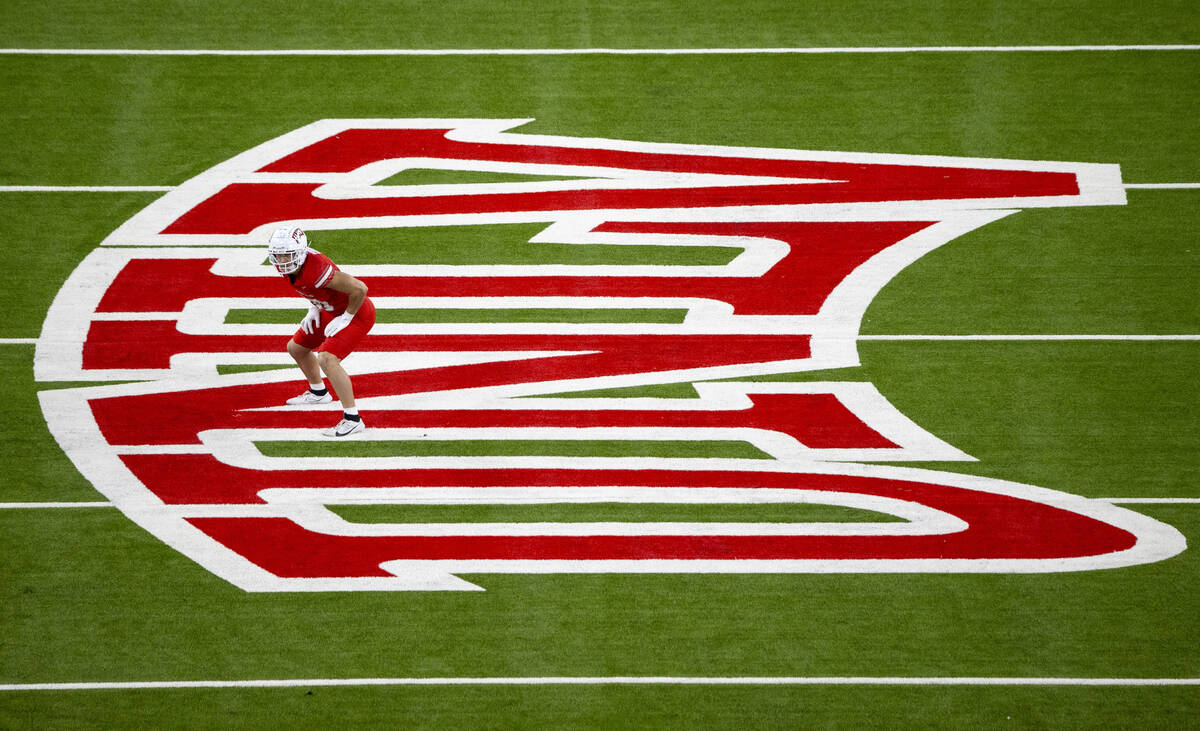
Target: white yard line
x=1030 y=337
x=602 y=680
x=44 y=506
x=18 y=341
x=579 y=51
x=85 y=188
x=1163 y=186
x=1152 y=500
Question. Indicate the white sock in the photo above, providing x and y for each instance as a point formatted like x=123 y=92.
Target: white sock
x=353 y=411
x=318 y=386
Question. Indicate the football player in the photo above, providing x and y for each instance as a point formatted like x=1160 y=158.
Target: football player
x=339 y=316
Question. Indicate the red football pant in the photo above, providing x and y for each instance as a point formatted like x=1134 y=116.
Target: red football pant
x=346 y=340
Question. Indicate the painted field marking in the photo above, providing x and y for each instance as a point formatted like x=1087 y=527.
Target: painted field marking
x=167 y=188
x=103 y=504
x=18 y=341
x=578 y=51
x=602 y=680
x=855 y=229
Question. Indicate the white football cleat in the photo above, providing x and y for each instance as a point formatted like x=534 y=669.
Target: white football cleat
x=308 y=398
x=345 y=428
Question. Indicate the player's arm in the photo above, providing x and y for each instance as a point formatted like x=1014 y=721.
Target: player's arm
x=343 y=282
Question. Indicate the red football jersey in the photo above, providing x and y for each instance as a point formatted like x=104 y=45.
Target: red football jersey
x=312 y=280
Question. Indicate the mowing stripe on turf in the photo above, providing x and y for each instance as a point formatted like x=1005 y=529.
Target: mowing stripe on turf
x=43 y=506
x=603 y=680
x=1162 y=186
x=1152 y=500
x=85 y=188
x=578 y=51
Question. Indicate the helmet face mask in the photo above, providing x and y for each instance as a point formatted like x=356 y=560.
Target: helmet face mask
x=287 y=249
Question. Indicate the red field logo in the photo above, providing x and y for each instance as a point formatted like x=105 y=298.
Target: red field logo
x=812 y=236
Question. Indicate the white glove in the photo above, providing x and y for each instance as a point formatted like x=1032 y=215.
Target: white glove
x=310 y=321
x=336 y=324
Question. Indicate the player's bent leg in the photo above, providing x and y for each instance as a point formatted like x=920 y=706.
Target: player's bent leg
x=330 y=355
x=306 y=359
x=351 y=422
x=338 y=378
x=309 y=366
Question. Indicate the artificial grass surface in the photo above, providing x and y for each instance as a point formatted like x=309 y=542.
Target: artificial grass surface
x=609 y=512
x=46 y=235
x=88 y=596
x=506 y=244
x=700 y=449
x=1123 y=270
x=584 y=24
x=481 y=315
x=616 y=707
x=161 y=120
x=36 y=469
x=1100 y=419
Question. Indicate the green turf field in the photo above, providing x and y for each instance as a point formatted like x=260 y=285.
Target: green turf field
x=87 y=596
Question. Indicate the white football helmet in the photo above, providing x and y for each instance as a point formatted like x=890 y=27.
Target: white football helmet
x=287 y=249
